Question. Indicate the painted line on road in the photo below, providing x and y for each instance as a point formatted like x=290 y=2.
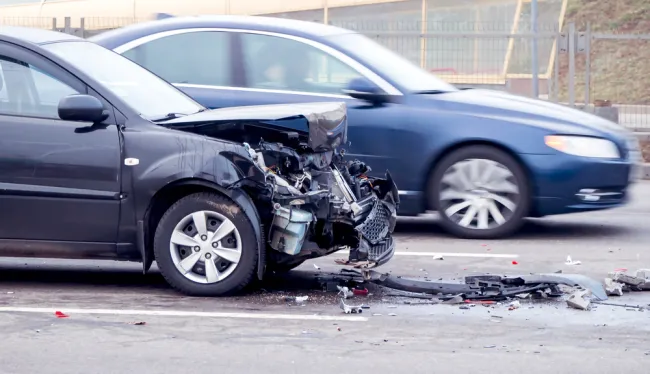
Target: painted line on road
x=181 y=313
x=450 y=254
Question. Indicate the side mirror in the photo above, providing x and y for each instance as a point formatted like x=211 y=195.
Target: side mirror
x=363 y=89
x=81 y=108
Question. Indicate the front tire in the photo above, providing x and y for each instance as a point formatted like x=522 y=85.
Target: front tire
x=480 y=192
x=205 y=246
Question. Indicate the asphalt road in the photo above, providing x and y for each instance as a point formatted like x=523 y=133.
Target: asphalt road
x=261 y=332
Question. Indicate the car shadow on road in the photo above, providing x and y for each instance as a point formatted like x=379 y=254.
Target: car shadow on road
x=16 y=277
x=532 y=229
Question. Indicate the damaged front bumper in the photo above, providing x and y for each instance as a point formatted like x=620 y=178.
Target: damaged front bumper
x=378 y=217
x=490 y=287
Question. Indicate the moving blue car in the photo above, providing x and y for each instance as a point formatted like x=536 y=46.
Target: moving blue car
x=484 y=159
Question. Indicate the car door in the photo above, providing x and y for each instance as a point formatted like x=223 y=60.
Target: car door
x=194 y=60
x=59 y=180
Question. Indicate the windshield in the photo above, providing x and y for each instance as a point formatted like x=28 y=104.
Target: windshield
x=389 y=64
x=150 y=96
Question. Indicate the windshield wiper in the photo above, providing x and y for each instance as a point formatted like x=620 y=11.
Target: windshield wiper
x=169 y=116
x=429 y=92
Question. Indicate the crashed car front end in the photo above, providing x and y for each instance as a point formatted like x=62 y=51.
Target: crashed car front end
x=311 y=200
x=322 y=203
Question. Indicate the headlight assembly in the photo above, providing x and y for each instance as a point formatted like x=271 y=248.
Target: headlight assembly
x=583 y=146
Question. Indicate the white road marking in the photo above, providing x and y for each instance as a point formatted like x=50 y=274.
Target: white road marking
x=451 y=254
x=182 y=313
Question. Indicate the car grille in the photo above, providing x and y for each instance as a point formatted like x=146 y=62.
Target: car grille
x=377 y=225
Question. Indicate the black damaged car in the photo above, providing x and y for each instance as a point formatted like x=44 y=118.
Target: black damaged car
x=101 y=159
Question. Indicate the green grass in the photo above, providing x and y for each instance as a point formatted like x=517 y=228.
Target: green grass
x=620 y=69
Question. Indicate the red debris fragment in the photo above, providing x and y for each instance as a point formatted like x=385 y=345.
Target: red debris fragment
x=60 y=314
x=621 y=270
x=360 y=292
x=486 y=302
x=515 y=262
x=483 y=245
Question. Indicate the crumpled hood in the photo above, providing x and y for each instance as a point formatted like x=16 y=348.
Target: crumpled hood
x=555 y=117
x=325 y=123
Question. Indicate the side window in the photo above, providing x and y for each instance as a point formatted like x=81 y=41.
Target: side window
x=277 y=63
x=25 y=90
x=194 y=57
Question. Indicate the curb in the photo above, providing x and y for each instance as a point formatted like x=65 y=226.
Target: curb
x=645 y=171
x=643 y=136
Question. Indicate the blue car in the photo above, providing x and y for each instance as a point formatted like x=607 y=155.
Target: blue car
x=485 y=160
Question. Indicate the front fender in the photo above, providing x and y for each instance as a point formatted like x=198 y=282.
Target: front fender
x=173 y=159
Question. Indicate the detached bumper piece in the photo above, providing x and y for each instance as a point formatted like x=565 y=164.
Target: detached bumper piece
x=376 y=243
x=490 y=287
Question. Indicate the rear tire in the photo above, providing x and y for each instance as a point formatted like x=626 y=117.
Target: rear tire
x=480 y=192
x=205 y=245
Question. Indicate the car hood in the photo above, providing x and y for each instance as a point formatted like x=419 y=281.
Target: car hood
x=325 y=124
x=512 y=108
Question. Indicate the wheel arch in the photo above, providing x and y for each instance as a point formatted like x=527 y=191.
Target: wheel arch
x=164 y=198
x=428 y=204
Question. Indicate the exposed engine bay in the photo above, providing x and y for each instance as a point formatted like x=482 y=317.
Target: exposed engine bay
x=322 y=204
x=311 y=201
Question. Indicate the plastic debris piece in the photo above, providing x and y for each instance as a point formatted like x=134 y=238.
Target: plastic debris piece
x=458 y=299
x=570 y=262
x=376 y=314
x=577 y=300
x=438 y=257
x=140 y=323
x=465 y=307
x=360 y=292
x=515 y=262
x=392 y=314
x=317 y=267
x=490 y=346
x=514 y=305
x=59 y=314
x=345 y=292
x=350 y=309
x=613 y=288
x=301 y=299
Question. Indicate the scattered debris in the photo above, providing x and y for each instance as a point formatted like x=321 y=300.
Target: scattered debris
x=515 y=262
x=570 y=262
x=345 y=292
x=301 y=299
x=577 y=300
x=463 y=307
x=458 y=299
x=360 y=292
x=490 y=346
x=377 y=314
x=438 y=257
x=317 y=267
x=392 y=314
x=514 y=305
x=141 y=323
x=10 y=293
x=634 y=283
x=613 y=288
x=59 y=314
x=620 y=305
x=347 y=309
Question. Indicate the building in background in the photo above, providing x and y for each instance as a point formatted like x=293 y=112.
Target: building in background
x=467 y=42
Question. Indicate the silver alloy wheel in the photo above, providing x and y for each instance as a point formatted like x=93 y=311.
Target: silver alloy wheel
x=478 y=194
x=205 y=247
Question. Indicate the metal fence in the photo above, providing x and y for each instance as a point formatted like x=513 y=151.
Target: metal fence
x=576 y=66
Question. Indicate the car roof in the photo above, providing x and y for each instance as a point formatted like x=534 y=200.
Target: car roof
x=114 y=38
x=34 y=35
